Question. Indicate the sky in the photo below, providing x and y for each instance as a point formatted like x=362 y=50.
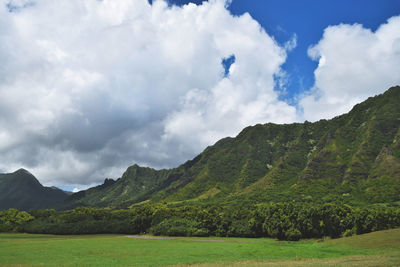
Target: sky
x=89 y=87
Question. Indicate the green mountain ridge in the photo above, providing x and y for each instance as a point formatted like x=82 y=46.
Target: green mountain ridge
x=21 y=190
x=354 y=158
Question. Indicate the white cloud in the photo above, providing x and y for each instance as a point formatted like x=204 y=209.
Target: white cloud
x=90 y=87
x=292 y=43
x=354 y=63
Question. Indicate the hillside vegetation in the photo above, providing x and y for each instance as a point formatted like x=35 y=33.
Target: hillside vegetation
x=353 y=158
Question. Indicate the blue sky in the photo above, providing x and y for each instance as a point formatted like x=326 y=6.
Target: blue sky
x=88 y=88
x=308 y=19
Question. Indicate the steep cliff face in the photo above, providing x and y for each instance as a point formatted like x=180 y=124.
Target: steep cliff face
x=354 y=157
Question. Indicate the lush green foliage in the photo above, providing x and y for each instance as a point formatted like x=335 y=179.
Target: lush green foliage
x=13 y=220
x=353 y=158
x=136 y=184
x=285 y=221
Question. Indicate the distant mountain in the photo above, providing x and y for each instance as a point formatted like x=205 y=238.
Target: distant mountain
x=353 y=158
x=136 y=184
x=23 y=191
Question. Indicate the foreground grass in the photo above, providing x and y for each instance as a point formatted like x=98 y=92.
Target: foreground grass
x=375 y=260
x=382 y=247
x=118 y=250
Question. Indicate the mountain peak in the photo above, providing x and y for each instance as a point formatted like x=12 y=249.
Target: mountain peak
x=24 y=171
x=21 y=190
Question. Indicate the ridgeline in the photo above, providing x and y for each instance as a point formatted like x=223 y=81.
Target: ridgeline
x=353 y=158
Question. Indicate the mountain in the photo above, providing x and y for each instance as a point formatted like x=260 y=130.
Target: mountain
x=136 y=184
x=21 y=190
x=354 y=158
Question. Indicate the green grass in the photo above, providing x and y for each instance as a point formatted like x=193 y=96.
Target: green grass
x=119 y=250
x=386 y=240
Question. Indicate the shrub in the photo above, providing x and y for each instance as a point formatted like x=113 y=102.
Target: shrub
x=349 y=232
x=293 y=234
x=179 y=227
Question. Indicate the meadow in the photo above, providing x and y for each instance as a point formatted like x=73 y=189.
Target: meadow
x=374 y=249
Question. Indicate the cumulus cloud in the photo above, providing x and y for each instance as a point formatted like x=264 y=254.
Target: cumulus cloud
x=90 y=87
x=353 y=64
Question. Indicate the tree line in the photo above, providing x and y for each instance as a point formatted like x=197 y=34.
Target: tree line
x=283 y=221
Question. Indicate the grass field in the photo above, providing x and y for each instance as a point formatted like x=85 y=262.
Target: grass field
x=375 y=249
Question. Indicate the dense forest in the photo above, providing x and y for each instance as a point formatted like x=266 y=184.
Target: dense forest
x=283 y=221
